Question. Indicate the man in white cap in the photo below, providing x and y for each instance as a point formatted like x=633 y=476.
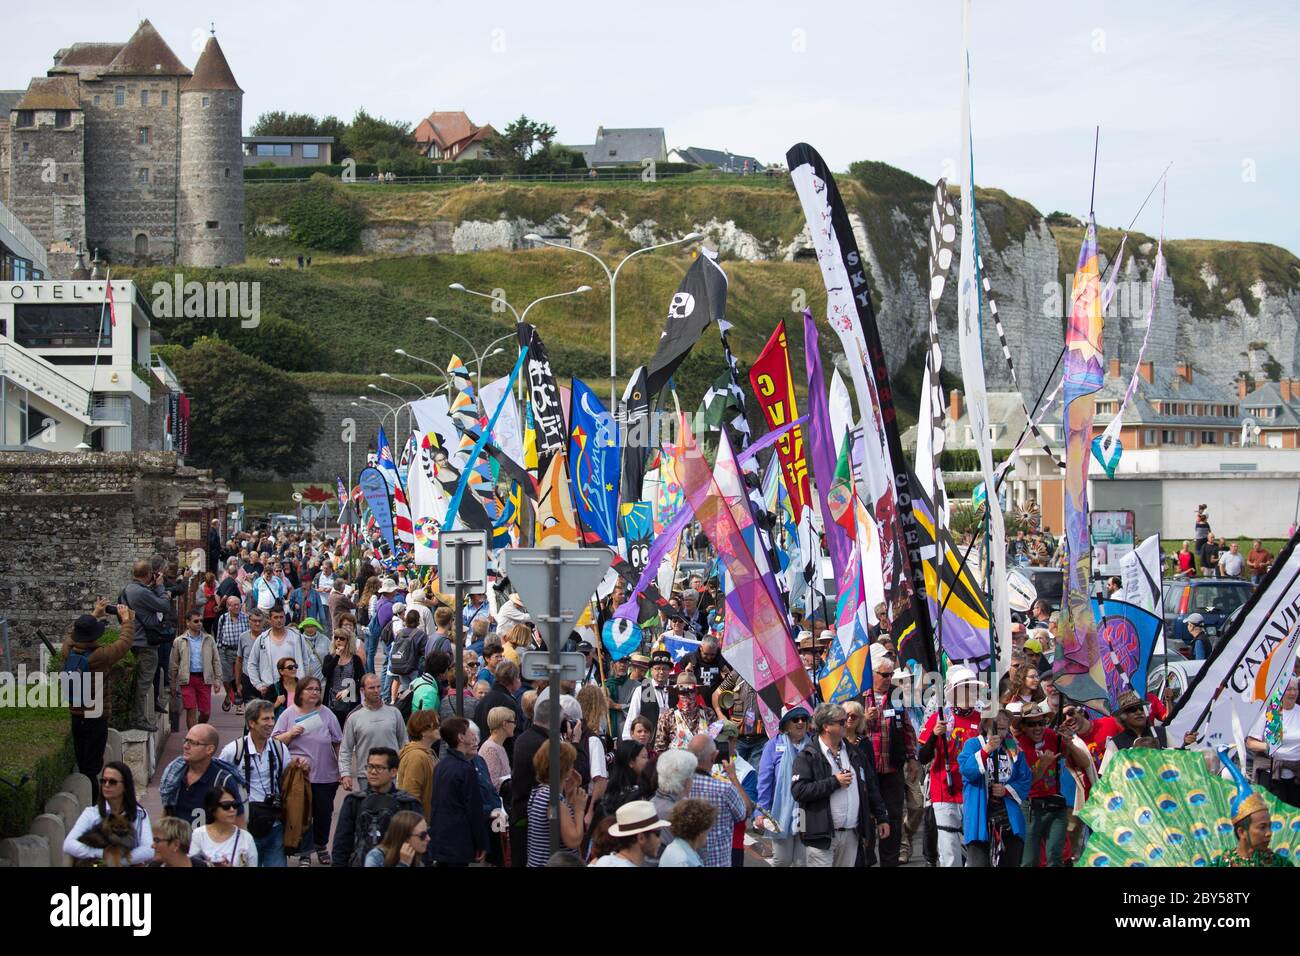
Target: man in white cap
x=942 y=737
x=635 y=833
x=418 y=601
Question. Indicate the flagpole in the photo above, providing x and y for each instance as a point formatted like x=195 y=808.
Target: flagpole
x=99 y=339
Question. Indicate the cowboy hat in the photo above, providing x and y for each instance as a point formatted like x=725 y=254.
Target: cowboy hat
x=388 y=587
x=638 y=816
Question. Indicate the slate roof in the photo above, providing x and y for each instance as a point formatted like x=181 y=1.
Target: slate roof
x=628 y=146
x=212 y=72
x=1173 y=388
x=720 y=159
x=147 y=54
x=86 y=57
x=50 y=93
x=1269 y=395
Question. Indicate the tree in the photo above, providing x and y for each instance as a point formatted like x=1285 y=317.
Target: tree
x=521 y=141
x=372 y=138
x=325 y=216
x=244 y=413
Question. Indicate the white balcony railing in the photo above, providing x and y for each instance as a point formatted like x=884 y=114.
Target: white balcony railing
x=24 y=236
x=43 y=380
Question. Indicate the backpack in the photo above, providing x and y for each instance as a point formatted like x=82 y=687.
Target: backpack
x=373 y=628
x=376 y=812
x=78 y=661
x=407 y=700
x=405 y=655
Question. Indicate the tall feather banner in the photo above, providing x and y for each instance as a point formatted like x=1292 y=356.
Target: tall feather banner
x=1079 y=669
x=822 y=444
x=770 y=377
x=851 y=315
x=970 y=341
x=593 y=461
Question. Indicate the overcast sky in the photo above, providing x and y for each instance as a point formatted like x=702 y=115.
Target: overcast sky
x=1196 y=83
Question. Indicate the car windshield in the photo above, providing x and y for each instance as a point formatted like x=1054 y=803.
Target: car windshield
x=1223 y=598
x=1048 y=586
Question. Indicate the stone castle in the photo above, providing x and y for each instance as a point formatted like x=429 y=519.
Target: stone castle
x=123 y=149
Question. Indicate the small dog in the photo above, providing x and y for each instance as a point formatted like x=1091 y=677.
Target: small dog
x=115 y=835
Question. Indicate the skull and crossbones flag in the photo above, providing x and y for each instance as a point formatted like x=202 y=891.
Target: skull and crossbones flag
x=699 y=300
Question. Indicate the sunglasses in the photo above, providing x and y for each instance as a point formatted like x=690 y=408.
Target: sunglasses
x=109 y=781
x=376 y=768
x=1032 y=724
x=288 y=667
x=228 y=805
x=799 y=720
x=420 y=835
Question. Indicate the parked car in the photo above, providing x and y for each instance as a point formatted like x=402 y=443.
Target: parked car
x=1049 y=583
x=1215 y=599
x=1174 y=671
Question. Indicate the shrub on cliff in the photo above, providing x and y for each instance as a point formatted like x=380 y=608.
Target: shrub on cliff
x=243 y=413
x=324 y=216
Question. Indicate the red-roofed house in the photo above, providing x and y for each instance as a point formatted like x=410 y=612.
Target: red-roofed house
x=451 y=136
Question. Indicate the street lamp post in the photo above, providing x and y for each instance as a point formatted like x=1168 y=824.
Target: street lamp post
x=456 y=286
x=392 y=409
x=613 y=281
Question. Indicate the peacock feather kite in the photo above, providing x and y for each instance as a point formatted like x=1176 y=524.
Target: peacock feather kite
x=1165 y=808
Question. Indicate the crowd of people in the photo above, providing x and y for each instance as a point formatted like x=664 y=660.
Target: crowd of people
x=345 y=678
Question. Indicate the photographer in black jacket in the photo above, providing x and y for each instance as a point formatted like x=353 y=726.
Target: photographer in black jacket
x=837 y=793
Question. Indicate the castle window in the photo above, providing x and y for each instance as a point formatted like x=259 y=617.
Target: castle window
x=144 y=176
x=158 y=175
x=96 y=99
x=26 y=118
x=65 y=177
x=141 y=244
x=119 y=96
x=1151 y=437
x=227 y=172
x=26 y=147
x=164 y=97
x=62 y=118
x=207 y=101
x=144 y=135
x=144 y=97
x=212 y=224
x=230 y=102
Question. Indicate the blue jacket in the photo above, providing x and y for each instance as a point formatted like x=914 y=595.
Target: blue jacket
x=459 y=831
x=975 y=792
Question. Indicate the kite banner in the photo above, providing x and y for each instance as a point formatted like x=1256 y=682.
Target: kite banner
x=1078 y=668
x=850 y=313
x=752 y=617
x=1126 y=635
x=543 y=397
x=1248 y=665
x=594 y=465
x=374 y=486
x=1141 y=573
x=772 y=382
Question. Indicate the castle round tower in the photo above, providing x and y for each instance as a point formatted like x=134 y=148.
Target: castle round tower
x=211 y=216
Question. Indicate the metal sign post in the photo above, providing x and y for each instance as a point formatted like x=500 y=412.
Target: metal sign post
x=562 y=580
x=462 y=560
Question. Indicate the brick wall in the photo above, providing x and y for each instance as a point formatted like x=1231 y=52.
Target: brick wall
x=71 y=525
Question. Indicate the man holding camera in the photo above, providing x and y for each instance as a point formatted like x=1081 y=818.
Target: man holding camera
x=262 y=760
x=148 y=599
